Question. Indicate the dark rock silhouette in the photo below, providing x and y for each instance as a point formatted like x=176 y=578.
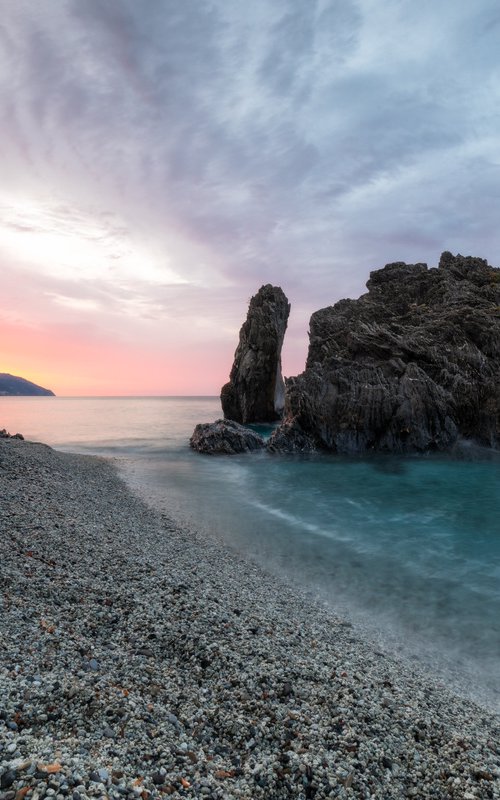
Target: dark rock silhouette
x=410 y=366
x=225 y=437
x=12 y=385
x=255 y=391
x=4 y=434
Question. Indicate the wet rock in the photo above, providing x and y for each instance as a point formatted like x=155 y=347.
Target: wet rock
x=255 y=391
x=225 y=437
x=290 y=438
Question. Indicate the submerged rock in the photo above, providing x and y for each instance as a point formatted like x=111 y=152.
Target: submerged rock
x=255 y=391
x=410 y=366
x=225 y=437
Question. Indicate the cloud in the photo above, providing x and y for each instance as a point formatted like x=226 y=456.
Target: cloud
x=154 y=150
x=79 y=245
x=77 y=303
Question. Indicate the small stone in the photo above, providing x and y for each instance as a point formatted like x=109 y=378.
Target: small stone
x=7 y=779
x=24 y=766
x=286 y=690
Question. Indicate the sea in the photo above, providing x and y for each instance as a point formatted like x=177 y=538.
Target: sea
x=406 y=549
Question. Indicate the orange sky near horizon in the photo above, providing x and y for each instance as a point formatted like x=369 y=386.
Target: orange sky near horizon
x=71 y=360
x=70 y=364
x=158 y=168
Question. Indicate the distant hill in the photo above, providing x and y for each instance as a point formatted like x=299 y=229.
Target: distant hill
x=12 y=385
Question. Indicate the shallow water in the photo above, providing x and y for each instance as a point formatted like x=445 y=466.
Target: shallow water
x=408 y=548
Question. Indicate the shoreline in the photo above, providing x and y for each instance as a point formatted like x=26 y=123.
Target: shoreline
x=139 y=660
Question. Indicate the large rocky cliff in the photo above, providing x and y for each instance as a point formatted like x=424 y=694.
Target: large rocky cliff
x=412 y=365
x=255 y=391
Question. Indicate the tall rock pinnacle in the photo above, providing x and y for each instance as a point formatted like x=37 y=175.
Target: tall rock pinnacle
x=255 y=391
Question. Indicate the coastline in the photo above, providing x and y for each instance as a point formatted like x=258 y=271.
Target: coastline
x=139 y=660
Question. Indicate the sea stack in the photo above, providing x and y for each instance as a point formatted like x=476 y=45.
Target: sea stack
x=411 y=366
x=255 y=391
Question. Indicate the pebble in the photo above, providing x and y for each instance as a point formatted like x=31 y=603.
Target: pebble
x=7 y=779
x=152 y=663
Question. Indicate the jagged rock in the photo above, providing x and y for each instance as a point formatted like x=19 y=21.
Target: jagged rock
x=290 y=438
x=255 y=391
x=412 y=365
x=225 y=437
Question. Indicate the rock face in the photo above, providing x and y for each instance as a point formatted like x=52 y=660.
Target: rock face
x=255 y=391
x=225 y=437
x=290 y=438
x=12 y=385
x=411 y=366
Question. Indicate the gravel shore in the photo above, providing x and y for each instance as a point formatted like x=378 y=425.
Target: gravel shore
x=140 y=661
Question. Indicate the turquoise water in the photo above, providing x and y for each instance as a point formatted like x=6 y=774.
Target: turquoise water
x=407 y=548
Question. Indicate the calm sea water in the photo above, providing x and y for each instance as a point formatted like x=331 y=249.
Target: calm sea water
x=408 y=549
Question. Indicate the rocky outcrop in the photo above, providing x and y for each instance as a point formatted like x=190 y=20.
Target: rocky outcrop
x=12 y=385
x=4 y=434
x=255 y=391
x=413 y=365
x=225 y=437
x=290 y=438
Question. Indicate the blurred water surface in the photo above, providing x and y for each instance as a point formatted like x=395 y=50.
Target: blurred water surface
x=407 y=548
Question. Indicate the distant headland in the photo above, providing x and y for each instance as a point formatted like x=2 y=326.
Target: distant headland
x=14 y=386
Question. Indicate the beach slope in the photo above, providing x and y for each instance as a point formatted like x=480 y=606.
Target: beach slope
x=139 y=661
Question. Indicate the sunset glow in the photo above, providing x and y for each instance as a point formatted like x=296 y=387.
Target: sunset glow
x=159 y=167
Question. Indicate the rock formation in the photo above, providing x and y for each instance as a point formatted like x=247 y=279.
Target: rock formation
x=411 y=366
x=225 y=437
x=289 y=437
x=255 y=391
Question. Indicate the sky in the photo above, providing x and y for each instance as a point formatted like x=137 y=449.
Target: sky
x=161 y=160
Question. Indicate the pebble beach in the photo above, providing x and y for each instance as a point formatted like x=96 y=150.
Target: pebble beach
x=139 y=660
